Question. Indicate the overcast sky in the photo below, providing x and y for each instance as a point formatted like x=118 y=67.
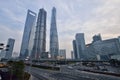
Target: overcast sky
x=73 y=16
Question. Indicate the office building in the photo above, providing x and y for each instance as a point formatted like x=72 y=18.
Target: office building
x=72 y=55
x=28 y=35
x=62 y=54
x=107 y=47
x=97 y=38
x=54 y=45
x=75 y=49
x=90 y=52
x=119 y=39
x=10 y=48
x=39 y=46
x=103 y=50
x=2 y=54
x=80 y=45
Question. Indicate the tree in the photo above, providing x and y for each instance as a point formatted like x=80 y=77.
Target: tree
x=16 y=69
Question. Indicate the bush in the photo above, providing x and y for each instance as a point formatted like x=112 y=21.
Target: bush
x=16 y=68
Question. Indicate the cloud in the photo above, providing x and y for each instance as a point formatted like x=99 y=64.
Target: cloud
x=7 y=32
x=88 y=16
x=12 y=15
x=105 y=21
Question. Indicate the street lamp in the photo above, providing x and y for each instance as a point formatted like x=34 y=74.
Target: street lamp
x=2 y=47
x=1 y=44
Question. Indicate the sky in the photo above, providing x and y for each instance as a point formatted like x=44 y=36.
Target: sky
x=73 y=16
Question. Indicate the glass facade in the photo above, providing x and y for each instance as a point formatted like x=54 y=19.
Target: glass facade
x=39 y=46
x=10 y=48
x=62 y=53
x=80 y=45
x=97 y=38
x=107 y=47
x=28 y=35
x=75 y=49
x=54 y=45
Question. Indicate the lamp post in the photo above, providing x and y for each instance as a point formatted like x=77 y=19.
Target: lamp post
x=3 y=47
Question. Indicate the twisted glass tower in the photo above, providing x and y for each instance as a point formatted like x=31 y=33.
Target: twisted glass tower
x=54 y=45
x=39 y=46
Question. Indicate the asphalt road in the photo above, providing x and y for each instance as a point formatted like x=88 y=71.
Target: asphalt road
x=53 y=75
x=64 y=76
x=67 y=74
x=95 y=76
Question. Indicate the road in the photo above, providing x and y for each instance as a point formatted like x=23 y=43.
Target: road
x=67 y=73
x=96 y=76
x=64 y=76
x=53 y=75
x=36 y=73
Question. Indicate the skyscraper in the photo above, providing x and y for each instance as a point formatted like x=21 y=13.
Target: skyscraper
x=72 y=55
x=2 y=54
x=80 y=45
x=10 y=48
x=75 y=49
x=40 y=36
x=28 y=35
x=54 y=45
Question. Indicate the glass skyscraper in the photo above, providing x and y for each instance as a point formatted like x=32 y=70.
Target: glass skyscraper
x=10 y=48
x=39 y=46
x=54 y=45
x=75 y=49
x=80 y=45
x=28 y=35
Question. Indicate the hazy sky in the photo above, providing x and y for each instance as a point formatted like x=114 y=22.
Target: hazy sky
x=73 y=16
